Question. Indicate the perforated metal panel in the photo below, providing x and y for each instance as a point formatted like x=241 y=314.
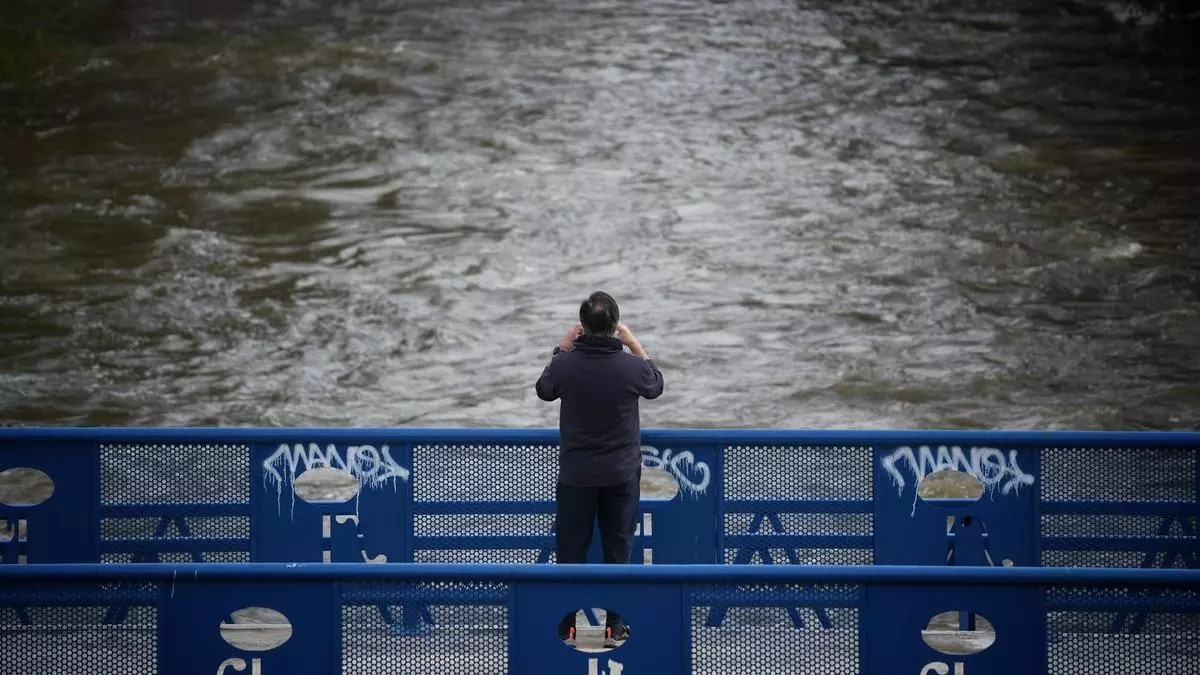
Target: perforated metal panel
x=766 y=640
x=770 y=473
x=52 y=629
x=484 y=472
x=469 y=524
x=484 y=524
x=1133 y=641
x=803 y=523
x=175 y=474
x=1088 y=475
x=233 y=526
x=1166 y=530
x=798 y=472
x=1118 y=474
x=112 y=529
x=419 y=632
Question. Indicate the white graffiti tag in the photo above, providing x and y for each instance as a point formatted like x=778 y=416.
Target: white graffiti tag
x=989 y=465
x=371 y=467
x=691 y=475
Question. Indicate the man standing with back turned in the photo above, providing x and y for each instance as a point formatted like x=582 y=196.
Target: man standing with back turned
x=600 y=456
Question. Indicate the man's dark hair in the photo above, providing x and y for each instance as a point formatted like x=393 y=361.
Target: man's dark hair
x=599 y=314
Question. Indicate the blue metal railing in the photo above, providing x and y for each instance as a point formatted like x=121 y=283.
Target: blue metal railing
x=501 y=618
x=779 y=505
x=745 y=496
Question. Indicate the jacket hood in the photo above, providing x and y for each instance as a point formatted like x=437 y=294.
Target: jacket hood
x=595 y=344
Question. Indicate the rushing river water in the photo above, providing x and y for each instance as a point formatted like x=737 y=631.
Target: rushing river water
x=377 y=212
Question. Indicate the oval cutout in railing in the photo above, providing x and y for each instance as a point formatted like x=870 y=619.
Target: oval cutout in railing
x=578 y=633
x=256 y=629
x=325 y=484
x=24 y=486
x=657 y=484
x=944 y=634
x=950 y=487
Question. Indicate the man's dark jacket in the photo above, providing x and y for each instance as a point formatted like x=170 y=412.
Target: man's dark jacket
x=599 y=423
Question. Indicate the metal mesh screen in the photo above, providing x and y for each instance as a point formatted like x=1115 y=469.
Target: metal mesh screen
x=1156 y=528
x=179 y=557
x=1135 y=641
x=174 y=474
x=81 y=629
x=802 y=523
x=798 y=472
x=506 y=556
x=484 y=472
x=483 y=524
x=471 y=524
x=480 y=473
x=416 y=629
x=766 y=640
x=1118 y=474
x=232 y=526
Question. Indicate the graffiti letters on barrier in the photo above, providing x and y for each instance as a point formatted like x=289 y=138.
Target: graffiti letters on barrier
x=989 y=465
x=939 y=668
x=240 y=665
x=692 y=476
x=371 y=467
x=614 y=667
x=353 y=520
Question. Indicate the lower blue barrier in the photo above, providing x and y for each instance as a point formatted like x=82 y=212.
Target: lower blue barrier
x=758 y=497
x=276 y=618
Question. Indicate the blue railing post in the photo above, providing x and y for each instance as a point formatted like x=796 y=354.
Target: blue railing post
x=912 y=531
x=192 y=614
x=685 y=528
x=66 y=526
x=649 y=610
x=284 y=527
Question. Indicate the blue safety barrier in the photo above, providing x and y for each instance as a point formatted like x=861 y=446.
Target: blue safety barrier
x=502 y=619
x=486 y=496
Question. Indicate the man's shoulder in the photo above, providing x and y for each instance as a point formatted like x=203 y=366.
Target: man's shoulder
x=636 y=362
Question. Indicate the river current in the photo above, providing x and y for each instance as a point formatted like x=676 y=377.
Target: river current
x=383 y=213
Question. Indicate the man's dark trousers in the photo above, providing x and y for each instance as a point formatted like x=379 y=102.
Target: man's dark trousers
x=578 y=509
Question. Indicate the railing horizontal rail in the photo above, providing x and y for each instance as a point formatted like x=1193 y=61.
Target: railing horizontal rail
x=824 y=574
x=1160 y=605
x=1122 y=508
x=172 y=544
x=468 y=541
x=793 y=541
x=174 y=510
x=55 y=597
x=482 y=508
x=1091 y=439
x=1143 y=544
x=798 y=506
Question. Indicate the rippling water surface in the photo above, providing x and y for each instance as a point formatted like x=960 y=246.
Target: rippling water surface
x=377 y=212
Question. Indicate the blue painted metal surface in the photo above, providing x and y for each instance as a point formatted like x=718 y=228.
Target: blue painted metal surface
x=881 y=612
x=486 y=496
x=766 y=502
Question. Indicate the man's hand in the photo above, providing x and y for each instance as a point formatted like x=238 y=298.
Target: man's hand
x=568 y=342
x=626 y=337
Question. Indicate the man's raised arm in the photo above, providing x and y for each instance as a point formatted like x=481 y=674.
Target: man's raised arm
x=650 y=384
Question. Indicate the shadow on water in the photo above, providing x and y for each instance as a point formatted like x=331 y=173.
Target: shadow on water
x=380 y=212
